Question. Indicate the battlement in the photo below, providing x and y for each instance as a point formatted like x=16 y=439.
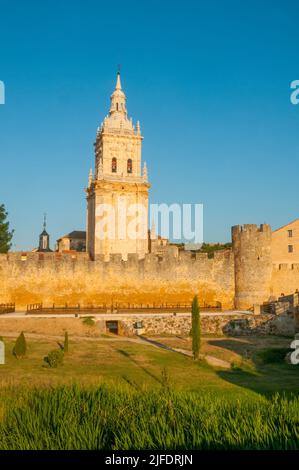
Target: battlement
x=286 y=267
x=166 y=258
x=32 y=277
x=250 y=229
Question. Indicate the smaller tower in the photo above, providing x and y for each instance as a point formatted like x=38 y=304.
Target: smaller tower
x=253 y=264
x=44 y=238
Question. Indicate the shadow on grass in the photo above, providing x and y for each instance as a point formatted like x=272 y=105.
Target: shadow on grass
x=262 y=370
x=129 y=356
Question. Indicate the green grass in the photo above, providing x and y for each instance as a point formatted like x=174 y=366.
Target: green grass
x=115 y=394
x=120 y=417
x=119 y=361
x=273 y=355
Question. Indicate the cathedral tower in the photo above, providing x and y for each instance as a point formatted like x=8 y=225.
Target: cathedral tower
x=117 y=193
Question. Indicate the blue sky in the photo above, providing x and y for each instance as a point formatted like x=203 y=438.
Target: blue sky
x=209 y=82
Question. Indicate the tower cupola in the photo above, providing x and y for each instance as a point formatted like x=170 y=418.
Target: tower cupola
x=44 y=239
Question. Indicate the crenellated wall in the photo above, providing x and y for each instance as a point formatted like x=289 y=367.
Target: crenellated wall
x=237 y=278
x=73 y=278
x=285 y=279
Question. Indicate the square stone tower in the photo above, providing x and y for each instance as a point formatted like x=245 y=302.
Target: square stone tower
x=117 y=193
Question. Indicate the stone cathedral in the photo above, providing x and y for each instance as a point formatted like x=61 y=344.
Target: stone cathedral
x=118 y=182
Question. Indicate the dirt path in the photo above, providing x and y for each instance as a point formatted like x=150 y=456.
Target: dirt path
x=213 y=361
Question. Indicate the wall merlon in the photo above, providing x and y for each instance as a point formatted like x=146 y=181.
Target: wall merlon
x=284 y=267
x=116 y=258
x=222 y=254
x=250 y=228
x=133 y=258
x=201 y=256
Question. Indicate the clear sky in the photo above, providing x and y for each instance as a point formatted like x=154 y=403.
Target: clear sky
x=209 y=82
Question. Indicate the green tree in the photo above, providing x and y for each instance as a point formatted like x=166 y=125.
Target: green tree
x=66 y=342
x=5 y=234
x=195 y=328
x=20 y=347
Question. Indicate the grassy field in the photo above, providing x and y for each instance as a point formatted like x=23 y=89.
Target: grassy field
x=115 y=380
x=107 y=360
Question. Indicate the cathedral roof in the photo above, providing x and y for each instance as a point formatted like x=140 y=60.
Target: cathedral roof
x=79 y=234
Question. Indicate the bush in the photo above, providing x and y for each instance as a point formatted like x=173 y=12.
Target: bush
x=20 y=348
x=196 y=333
x=66 y=342
x=54 y=358
x=89 y=321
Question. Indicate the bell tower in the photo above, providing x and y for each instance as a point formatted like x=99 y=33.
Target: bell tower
x=117 y=192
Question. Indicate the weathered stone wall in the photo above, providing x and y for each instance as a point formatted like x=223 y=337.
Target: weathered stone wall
x=64 y=278
x=239 y=278
x=159 y=325
x=217 y=324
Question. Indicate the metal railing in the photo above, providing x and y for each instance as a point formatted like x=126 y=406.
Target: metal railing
x=118 y=308
x=7 y=308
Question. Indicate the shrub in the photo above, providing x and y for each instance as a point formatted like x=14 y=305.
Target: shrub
x=89 y=321
x=66 y=342
x=195 y=328
x=54 y=358
x=20 y=348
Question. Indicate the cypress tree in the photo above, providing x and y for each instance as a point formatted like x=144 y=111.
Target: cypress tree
x=66 y=342
x=195 y=328
x=20 y=347
x=5 y=234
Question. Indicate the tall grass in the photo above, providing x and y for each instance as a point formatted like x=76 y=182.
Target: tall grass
x=118 y=417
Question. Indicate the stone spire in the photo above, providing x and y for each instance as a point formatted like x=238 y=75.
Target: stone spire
x=90 y=178
x=144 y=175
x=118 y=99
x=118 y=82
x=44 y=239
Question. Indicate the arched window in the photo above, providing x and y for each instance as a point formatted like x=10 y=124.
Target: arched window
x=129 y=166
x=114 y=165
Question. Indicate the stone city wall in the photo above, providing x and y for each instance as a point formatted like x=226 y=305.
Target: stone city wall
x=72 y=278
